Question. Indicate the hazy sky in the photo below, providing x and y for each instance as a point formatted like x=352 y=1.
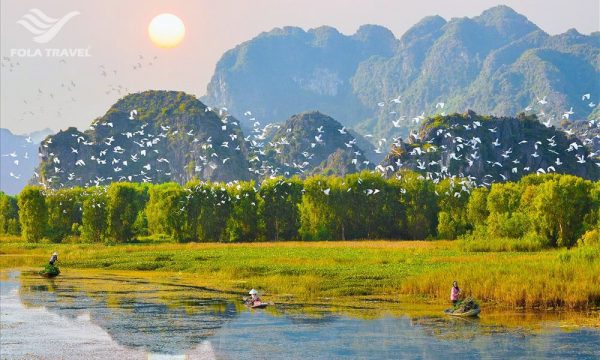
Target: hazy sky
x=38 y=93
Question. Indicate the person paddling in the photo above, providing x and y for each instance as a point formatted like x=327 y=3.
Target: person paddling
x=254 y=299
x=53 y=258
x=454 y=293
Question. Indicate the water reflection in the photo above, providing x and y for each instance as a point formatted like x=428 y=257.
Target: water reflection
x=96 y=317
x=146 y=319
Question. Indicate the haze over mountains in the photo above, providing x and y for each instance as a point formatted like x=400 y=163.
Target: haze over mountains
x=497 y=63
x=294 y=102
x=19 y=157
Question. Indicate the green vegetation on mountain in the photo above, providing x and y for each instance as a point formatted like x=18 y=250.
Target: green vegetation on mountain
x=288 y=70
x=312 y=142
x=488 y=149
x=150 y=136
x=496 y=63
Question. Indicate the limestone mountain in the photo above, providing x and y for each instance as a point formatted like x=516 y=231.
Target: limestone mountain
x=151 y=136
x=160 y=136
x=312 y=142
x=288 y=70
x=489 y=149
x=496 y=63
x=588 y=132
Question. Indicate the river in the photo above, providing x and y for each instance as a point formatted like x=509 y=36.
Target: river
x=114 y=317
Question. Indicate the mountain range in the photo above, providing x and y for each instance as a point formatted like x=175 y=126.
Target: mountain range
x=497 y=63
x=160 y=136
x=150 y=136
x=291 y=101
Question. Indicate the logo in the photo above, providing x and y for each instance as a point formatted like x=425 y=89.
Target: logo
x=43 y=27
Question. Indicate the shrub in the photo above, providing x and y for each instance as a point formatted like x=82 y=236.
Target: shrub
x=590 y=238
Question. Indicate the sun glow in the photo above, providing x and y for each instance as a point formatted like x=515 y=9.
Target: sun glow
x=166 y=30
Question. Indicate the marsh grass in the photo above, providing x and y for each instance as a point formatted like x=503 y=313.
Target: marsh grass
x=118 y=289
x=414 y=271
x=529 y=242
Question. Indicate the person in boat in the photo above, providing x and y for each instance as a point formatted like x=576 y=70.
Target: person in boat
x=454 y=293
x=253 y=300
x=53 y=258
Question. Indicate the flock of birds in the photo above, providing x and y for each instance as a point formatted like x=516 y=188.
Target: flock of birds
x=140 y=149
x=156 y=166
x=459 y=144
x=54 y=101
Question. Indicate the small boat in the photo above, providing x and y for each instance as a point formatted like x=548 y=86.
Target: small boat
x=262 y=305
x=46 y=275
x=469 y=313
x=50 y=271
x=259 y=306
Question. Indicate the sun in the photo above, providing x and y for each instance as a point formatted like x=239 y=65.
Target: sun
x=166 y=30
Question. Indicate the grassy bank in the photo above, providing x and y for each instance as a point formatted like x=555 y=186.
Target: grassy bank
x=416 y=271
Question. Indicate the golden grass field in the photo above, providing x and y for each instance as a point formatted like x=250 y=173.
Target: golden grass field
x=410 y=271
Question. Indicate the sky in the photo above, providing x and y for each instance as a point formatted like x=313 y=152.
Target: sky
x=110 y=38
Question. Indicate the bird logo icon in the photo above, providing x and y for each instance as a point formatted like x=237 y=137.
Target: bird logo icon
x=43 y=27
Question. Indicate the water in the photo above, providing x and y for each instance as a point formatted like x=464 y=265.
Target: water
x=116 y=317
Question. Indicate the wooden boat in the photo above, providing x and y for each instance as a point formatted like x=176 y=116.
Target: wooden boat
x=259 y=306
x=470 y=313
x=50 y=271
x=262 y=305
x=46 y=275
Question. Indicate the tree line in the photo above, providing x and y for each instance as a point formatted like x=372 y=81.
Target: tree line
x=558 y=210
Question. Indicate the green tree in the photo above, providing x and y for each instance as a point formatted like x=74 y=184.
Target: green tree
x=279 y=208
x=592 y=219
x=165 y=210
x=422 y=209
x=33 y=214
x=125 y=201
x=208 y=209
x=506 y=219
x=559 y=208
x=64 y=210
x=9 y=215
x=373 y=207
x=453 y=197
x=94 y=217
x=323 y=209
x=242 y=224
x=477 y=212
